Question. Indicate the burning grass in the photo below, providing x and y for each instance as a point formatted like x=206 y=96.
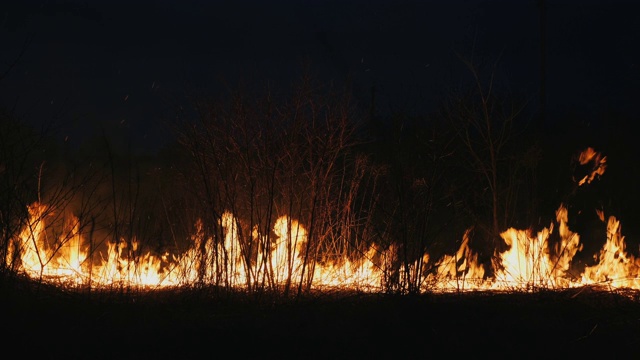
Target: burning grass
x=531 y=261
x=314 y=276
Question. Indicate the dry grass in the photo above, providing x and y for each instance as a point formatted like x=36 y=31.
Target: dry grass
x=50 y=322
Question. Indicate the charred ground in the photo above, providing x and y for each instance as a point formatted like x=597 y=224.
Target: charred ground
x=51 y=322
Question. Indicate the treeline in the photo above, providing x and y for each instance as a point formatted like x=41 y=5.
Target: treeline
x=481 y=162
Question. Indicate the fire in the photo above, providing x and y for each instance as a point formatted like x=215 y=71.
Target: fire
x=529 y=262
x=615 y=266
x=31 y=253
x=467 y=275
x=596 y=160
x=282 y=258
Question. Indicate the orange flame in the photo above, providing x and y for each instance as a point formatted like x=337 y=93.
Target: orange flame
x=598 y=166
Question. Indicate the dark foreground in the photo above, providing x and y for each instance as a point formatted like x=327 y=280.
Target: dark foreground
x=41 y=322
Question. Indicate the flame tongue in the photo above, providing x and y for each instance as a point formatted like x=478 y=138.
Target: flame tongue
x=615 y=266
x=597 y=162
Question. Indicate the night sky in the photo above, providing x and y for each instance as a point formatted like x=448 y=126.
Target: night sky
x=120 y=67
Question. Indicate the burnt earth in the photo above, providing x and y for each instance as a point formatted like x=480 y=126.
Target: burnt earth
x=46 y=322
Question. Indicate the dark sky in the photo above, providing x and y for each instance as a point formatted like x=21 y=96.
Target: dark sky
x=119 y=66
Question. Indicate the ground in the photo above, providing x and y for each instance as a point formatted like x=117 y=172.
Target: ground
x=195 y=323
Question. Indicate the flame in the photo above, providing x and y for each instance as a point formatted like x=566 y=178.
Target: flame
x=615 y=266
x=31 y=253
x=528 y=263
x=531 y=260
x=459 y=271
x=598 y=164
